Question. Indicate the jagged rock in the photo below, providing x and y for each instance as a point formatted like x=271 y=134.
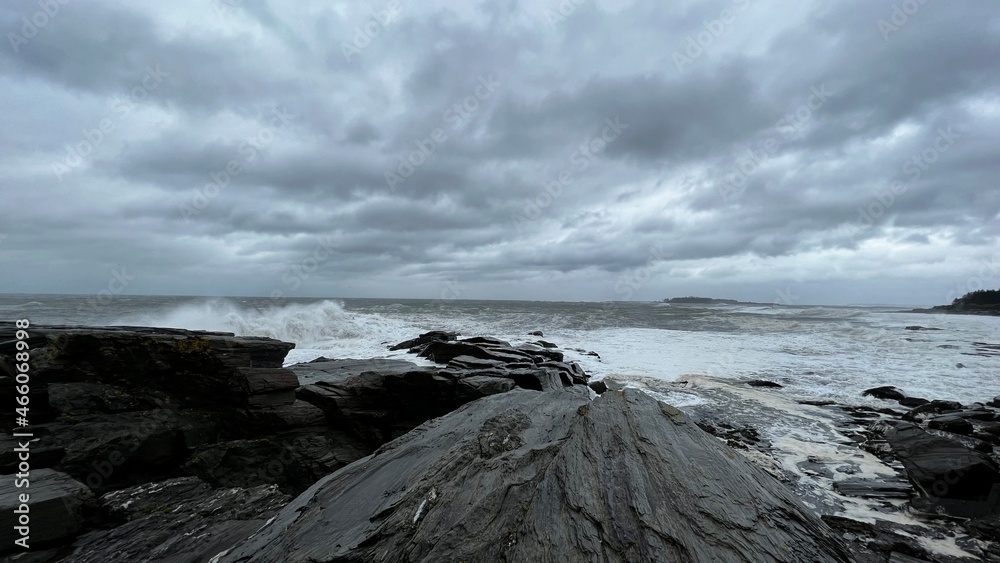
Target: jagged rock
x=848 y=525
x=326 y=369
x=945 y=406
x=177 y=520
x=470 y=363
x=913 y=402
x=987 y=528
x=545 y=344
x=88 y=397
x=444 y=352
x=571 y=372
x=537 y=333
x=110 y=450
x=488 y=341
x=379 y=406
x=874 y=489
x=425 y=338
x=932 y=408
x=764 y=383
x=265 y=420
x=887 y=393
x=946 y=473
x=527 y=476
x=816 y=403
x=293 y=462
x=56 y=509
x=544 y=353
x=995 y=403
x=951 y=423
x=476 y=387
x=193 y=368
x=599 y=387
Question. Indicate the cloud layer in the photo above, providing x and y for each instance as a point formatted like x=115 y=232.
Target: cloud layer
x=822 y=152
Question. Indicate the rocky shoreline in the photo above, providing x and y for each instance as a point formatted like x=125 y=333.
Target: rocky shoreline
x=174 y=445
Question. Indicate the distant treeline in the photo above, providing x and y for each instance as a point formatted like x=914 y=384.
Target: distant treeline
x=703 y=300
x=978 y=298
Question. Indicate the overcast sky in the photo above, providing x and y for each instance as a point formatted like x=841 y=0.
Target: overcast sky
x=815 y=152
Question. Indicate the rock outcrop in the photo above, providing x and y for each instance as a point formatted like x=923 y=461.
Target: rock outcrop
x=948 y=475
x=181 y=519
x=118 y=409
x=527 y=476
x=115 y=407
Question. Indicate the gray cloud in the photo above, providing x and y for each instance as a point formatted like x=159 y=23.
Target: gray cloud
x=847 y=149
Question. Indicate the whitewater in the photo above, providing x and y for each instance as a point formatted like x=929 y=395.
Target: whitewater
x=831 y=353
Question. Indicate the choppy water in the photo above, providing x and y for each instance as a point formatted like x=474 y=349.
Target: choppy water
x=816 y=352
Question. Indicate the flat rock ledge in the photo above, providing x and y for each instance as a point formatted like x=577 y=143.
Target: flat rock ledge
x=527 y=476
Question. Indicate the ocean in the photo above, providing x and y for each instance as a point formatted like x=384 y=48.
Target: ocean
x=695 y=357
x=829 y=353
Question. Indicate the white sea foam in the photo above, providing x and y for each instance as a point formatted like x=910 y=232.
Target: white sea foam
x=317 y=329
x=814 y=352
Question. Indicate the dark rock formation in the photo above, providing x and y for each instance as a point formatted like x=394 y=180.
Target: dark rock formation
x=599 y=387
x=425 y=338
x=120 y=406
x=764 y=383
x=129 y=405
x=177 y=520
x=888 y=393
x=528 y=476
x=947 y=474
x=56 y=510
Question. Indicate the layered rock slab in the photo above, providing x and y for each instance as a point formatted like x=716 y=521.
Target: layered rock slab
x=529 y=476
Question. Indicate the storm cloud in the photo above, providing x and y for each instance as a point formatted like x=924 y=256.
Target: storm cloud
x=802 y=152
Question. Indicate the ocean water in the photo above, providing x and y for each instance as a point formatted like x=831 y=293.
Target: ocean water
x=694 y=357
x=815 y=352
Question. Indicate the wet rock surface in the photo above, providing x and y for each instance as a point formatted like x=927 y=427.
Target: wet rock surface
x=548 y=477
x=216 y=417
x=182 y=519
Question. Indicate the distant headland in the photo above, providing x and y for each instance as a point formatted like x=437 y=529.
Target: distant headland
x=981 y=302
x=709 y=301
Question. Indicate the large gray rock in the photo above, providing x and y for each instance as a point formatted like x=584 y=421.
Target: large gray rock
x=527 y=476
x=177 y=520
x=947 y=474
x=56 y=509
